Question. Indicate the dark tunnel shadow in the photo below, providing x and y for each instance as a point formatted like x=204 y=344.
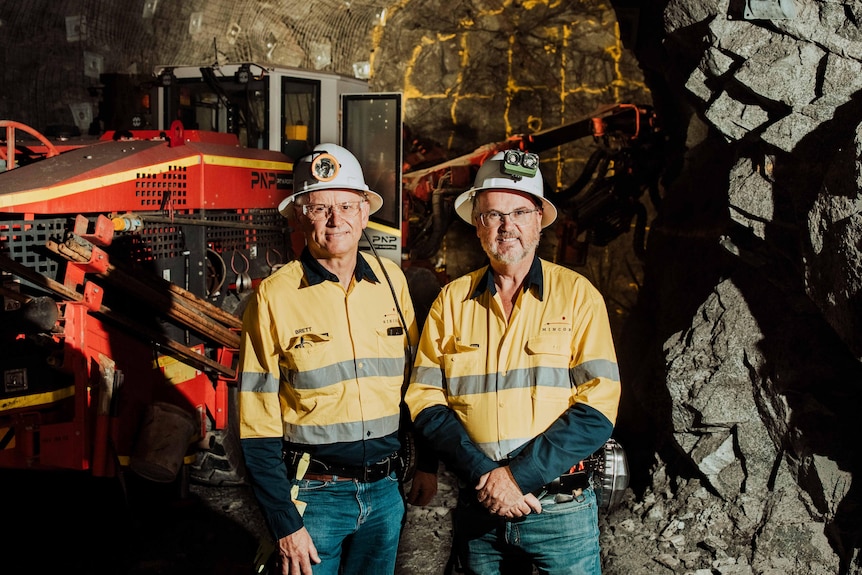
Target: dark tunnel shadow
x=684 y=260
x=684 y=263
x=62 y=515
x=71 y=522
x=809 y=364
x=67 y=520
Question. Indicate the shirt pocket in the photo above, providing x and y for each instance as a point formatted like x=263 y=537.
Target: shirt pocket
x=390 y=360
x=549 y=358
x=551 y=391
x=464 y=370
x=391 y=343
x=308 y=362
x=548 y=351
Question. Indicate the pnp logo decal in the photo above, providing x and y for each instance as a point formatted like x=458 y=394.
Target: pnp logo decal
x=384 y=242
x=270 y=180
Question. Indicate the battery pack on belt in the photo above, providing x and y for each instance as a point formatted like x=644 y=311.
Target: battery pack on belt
x=568 y=483
x=606 y=470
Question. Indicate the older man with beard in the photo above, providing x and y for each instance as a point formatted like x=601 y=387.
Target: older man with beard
x=515 y=383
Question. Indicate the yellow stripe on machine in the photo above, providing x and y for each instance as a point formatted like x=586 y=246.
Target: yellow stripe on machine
x=72 y=188
x=7 y=437
x=236 y=162
x=36 y=399
x=174 y=370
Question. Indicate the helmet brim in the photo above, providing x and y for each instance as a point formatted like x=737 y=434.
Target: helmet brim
x=375 y=201
x=464 y=205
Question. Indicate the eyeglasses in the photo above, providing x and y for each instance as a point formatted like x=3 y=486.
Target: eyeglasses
x=315 y=212
x=493 y=218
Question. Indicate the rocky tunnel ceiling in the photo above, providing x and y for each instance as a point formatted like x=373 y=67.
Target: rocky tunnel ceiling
x=738 y=332
x=470 y=72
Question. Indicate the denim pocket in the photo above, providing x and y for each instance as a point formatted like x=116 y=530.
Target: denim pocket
x=313 y=484
x=586 y=500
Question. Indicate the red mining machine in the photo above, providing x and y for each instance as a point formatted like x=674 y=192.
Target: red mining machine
x=117 y=262
x=125 y=262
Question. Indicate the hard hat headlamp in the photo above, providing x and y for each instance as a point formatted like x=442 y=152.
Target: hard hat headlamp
x=520 y=164
x=324 y=167
x=328 y=167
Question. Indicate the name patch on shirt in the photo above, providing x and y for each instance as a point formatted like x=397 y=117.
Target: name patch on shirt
x=557 y=327
x=390 y=318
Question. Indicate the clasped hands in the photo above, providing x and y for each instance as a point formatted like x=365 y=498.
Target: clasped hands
x=498 y=491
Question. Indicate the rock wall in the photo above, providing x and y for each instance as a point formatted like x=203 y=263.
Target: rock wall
x=748 y=363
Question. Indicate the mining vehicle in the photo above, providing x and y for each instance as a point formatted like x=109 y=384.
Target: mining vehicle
x=125 y=260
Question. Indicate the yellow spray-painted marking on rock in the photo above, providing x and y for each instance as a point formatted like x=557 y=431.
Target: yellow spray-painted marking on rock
x=560 y=40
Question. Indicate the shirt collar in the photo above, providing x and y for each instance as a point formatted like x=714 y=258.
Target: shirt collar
x=315 y=273
x=534 y=279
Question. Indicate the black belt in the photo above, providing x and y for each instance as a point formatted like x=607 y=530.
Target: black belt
x=567 y=483
x=365 y=474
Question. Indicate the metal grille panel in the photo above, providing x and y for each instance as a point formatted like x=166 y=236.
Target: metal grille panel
x=24 y=242
x=260 y=236
x=157 y=190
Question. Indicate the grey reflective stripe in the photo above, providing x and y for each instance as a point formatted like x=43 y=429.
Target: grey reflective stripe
x=431 y=376
x=258 y=382
x=387 y=366
x=596 y=368
x=552 y=377
x=498 y=450
x=337 y=432
x=345 y=370
x=514 y=379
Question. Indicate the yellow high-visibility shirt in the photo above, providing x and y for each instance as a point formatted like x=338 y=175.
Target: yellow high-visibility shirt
x=321 y=366
x=539 y=390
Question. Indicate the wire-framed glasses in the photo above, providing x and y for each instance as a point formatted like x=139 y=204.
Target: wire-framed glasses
x=316 y=212
x=493 y=218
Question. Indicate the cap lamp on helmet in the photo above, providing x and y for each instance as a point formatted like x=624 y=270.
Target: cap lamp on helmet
x=510 y=170
x=328 y=167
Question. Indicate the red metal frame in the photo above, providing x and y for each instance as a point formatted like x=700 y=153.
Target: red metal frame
x=82 y=426
x=92 y=433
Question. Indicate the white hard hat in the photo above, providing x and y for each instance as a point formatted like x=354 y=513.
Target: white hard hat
x=328 y=167
x=508 y=170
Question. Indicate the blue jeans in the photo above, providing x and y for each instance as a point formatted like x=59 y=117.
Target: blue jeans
x=561 y=540
x=355 y=526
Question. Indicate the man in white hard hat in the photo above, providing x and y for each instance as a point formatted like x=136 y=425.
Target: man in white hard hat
x=324 y=350
x=515 y=383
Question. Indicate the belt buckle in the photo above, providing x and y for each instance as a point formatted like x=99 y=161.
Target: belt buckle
x=377 y=471
x=374 y=471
